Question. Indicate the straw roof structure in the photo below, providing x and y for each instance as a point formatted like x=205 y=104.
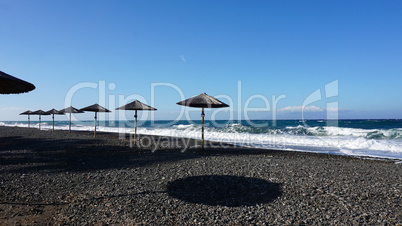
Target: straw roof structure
x=203 y=101
x=71 y=109
x=136 y=105
x=26 y=113
x=40 y=112
x=95 y=108
x=12 y=85
x=54 y=112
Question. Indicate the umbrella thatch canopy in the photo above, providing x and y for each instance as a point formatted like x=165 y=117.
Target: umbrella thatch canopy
x=70 y=110
x=95 y=108
x=54 y=112
x=10 y=84
x=27 y=113
x=40 y=113
x=203 y=101
x=136 y=106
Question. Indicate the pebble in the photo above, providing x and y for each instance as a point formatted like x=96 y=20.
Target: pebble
x=120 y=185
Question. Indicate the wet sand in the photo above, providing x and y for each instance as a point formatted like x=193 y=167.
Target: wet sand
x=57 y=178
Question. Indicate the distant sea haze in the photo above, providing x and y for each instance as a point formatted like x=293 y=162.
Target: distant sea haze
x=370 y=138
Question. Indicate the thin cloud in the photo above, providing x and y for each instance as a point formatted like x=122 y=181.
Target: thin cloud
x=301 y=108
x=182 y=58
x=258 y=110
x=309 y=109
x=334 y=109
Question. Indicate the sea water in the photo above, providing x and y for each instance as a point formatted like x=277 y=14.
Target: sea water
x=370 y=138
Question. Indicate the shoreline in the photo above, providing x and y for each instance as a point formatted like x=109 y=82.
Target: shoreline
x=56 y=178
x=192 y=143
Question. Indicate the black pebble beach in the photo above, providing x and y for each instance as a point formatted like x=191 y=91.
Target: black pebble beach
x=57 y=178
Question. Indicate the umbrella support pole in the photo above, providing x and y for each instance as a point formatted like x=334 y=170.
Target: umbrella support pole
x=95 y=124
x=39 y=122
x=202 y=133
x=135 y=126
x=53 y=123
x=29 y=121
x=69 y=125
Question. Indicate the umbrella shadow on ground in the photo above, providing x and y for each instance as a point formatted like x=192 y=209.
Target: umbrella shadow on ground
x=54 y=152
x=82 y=155
x=27 y=154
x=224 y=190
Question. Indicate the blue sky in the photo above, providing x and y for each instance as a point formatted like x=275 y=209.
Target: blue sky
x=271 y=48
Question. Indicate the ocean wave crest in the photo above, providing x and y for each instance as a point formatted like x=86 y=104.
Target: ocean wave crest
x=378 y=134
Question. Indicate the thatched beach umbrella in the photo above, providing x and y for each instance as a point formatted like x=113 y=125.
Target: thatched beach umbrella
x=95 y=108
x=136 y=106
x=203 y=101
x=40 y=113
x=11 y=85
x=27 y=113
x=54 y=112
x=70 y=110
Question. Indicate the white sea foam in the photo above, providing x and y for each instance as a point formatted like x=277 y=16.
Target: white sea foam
x=348 y=145
x=340 y=131
x=183 y=126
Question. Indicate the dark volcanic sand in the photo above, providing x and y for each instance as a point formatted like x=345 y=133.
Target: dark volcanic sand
x=58 y=178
